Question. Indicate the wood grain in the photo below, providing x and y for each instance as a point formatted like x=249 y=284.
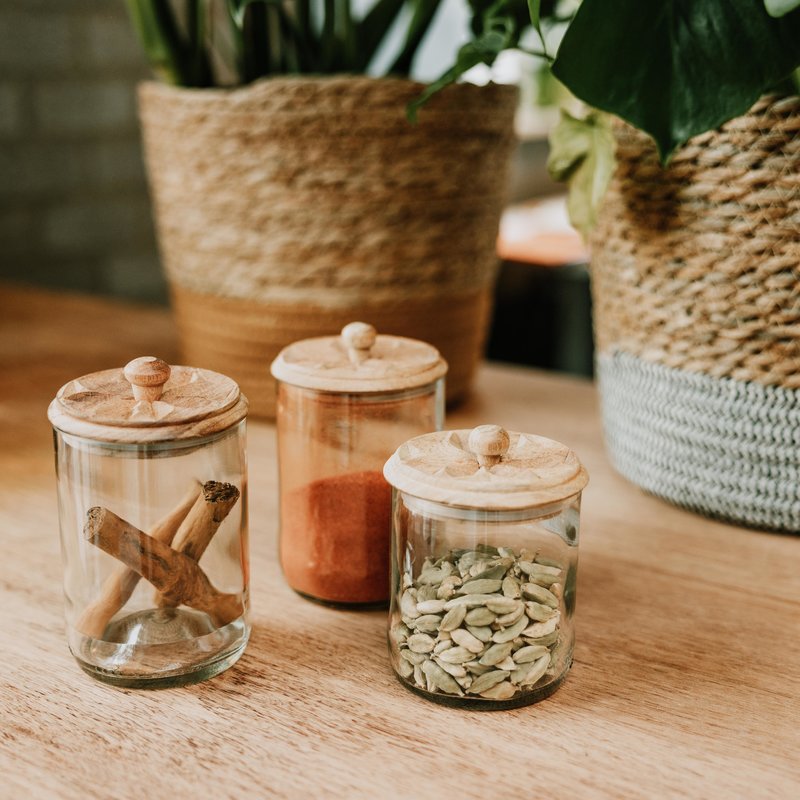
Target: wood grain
x=686 y=680
x=487 y=467
x=359 y=360
x=106 y=405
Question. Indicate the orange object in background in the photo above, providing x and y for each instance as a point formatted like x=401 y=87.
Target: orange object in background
x=539 y=232
x=542 y=311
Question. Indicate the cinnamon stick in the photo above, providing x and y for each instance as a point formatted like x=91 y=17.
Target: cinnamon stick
x=172 y=573
x=201 y=523
x=118 y=587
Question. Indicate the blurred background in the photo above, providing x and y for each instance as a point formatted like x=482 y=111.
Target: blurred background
x=74 y=207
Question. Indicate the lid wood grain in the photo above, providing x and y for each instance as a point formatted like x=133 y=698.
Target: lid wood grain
x=147 y=401
x=359 y=360
x=486 y=468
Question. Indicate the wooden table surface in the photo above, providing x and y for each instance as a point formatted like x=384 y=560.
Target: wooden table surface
x=686 y=681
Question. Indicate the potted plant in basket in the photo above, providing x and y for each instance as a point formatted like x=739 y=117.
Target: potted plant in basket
x=291 y=193
x=696 y=243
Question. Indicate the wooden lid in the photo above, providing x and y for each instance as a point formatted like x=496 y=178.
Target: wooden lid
x=147 y=401
x=486 y=468
x=359 y=360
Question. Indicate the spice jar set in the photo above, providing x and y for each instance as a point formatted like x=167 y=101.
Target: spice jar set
x=470 y=537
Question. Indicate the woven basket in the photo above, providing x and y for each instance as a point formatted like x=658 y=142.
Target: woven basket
x=293 y=206
x=696 y=284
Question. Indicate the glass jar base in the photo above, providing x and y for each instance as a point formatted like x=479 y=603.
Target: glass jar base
x=377 y=605
x=147 y=658
x=469 y=703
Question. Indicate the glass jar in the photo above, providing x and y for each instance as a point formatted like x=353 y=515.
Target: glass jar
x=484 y=563
x=152 y=484
x=344 y=404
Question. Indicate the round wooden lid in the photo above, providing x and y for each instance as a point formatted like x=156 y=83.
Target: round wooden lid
x=359 y=360
x=147 y=401
x=486 y=468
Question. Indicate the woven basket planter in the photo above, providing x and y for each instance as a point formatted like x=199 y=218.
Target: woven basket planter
x=696 y=284
x=288 y=208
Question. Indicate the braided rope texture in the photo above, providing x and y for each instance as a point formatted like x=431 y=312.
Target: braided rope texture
x=293 y=206
x=240 y=338
x=697 y=266
x=292 y=187
x=720 y=446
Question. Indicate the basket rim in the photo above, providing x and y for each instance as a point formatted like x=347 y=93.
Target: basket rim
x=273 y=84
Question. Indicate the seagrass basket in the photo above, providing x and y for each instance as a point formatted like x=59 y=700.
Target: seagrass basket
x=696 y=284
x=290 y=207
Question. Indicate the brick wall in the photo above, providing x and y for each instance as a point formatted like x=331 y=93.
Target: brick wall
x=74 y=210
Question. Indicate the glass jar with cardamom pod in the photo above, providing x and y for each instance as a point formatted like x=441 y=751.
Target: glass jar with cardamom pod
x=152 y=498
x=344 y=404
x=484 y=565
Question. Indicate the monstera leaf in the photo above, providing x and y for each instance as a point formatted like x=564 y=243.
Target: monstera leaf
x=676 y=68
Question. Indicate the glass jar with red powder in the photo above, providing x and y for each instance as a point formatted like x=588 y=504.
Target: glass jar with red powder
x=345 y=403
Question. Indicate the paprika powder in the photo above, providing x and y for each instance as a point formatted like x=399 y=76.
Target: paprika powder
x=335 y=538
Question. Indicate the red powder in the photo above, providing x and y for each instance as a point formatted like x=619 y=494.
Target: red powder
x=336 y=536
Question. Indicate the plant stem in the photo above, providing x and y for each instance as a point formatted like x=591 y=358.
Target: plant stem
x=537 y=53
x=199 y=62
x=346 y=34
x=159 y=37
x=329 y=44
x=255 y=43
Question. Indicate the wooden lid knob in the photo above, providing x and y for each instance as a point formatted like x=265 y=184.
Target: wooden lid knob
x=358 y=338
x=147 y=376
x=489 y=443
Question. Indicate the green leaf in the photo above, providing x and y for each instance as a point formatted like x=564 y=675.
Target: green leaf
x=296 y=30
x=484 y=50
x=486 y=14
x=330 y=46
x=535 y=10
x=582 y=153
x=779 y=8
x=424 y=12
x=158 y=34
x=255 y=36
x=501 y=28
x=346 y=34
x=302 y=15
x=237 y=10
x=197 y=13
x=270 y=40
x=680 y=67
x=374 y=27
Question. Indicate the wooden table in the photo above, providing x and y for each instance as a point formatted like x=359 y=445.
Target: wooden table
x=686 y=680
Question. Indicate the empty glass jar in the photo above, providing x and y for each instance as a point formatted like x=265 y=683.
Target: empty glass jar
x=344 y=404
x=484 y=563
x=152 y=495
